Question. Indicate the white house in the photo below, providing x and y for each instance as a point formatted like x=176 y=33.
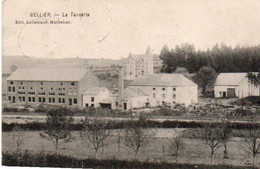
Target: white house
x=167 y=89
x=93 y=96
x=231 y=85
x=133 y=98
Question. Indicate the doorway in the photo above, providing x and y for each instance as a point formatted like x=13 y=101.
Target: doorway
x=224 y=95
x=125 y=106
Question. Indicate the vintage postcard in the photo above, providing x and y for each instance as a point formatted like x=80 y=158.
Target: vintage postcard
x=131 y=83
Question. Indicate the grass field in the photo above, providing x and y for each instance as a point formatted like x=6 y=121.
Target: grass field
x=195 y=150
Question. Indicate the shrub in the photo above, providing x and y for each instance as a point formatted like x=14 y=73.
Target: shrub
x=57 y=160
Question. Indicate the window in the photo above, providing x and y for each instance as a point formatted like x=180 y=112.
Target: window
x=29 y=99
x=72 y=84
x=163 y=88
x=153 y=88
x=174 y=96
x=154 y=96
x=163 y=95
x=49 y=100
x=92 y=99
x=41 y=88
x=13 y=89
x=86 y=104
x=31 y=88
x=51 y=88
x=9 y=89
x=21 y=83
x=43 y=99
x=92 y=105
x=24 y=99
x=41 y=83
x=163 y=102
x=12 y=82
x=59 y=100
x=40 y=99
x=20 y=99
x=9 y=98
x=53 y=100
x=174 y=89
x=61 y=84
x=19 y=87
x=75 y=101
x=116 y=103
x=63 y=100
x=33 y=99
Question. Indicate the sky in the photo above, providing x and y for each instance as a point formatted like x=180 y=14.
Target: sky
x=115 y=28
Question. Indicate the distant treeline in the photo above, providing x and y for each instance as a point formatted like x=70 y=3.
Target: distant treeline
x=220 y=57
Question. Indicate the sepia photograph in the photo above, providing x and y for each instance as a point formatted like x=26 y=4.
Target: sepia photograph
x=131 y=84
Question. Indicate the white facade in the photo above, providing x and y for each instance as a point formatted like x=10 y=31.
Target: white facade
x=239 y=88
x=167 y=89
x=161 y=95
x=93 y=96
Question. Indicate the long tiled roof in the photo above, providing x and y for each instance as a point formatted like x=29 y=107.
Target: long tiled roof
x=175 y=79
x=134 y=92
x=53 y=74
x=233 y=79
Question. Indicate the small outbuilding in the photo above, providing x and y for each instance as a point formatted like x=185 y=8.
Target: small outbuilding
x=235 y=85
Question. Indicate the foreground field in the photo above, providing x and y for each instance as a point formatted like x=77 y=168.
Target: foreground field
x=196 y=152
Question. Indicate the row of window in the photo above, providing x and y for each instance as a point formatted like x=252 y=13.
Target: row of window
x=11 y=89
x=163 y=96
x=174 y=89
x=42 y=100
x=87 y=105
x=72 y=83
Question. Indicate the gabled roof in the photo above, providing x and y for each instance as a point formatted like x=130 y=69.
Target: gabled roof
x=134 y=92
x=95 y=90
x=173 y=80
x=50 y=74
x=229 y=79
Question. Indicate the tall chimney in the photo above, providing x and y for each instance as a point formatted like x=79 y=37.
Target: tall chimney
x=121 y=86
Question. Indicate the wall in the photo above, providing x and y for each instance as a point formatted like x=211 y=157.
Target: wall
x=47 y=87
x=97 y=98
x=87 y=81
x=183 y=95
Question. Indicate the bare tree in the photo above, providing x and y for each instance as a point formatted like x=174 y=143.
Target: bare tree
x=252 y=142
x=177 y=146
x=58 y=126
x=137 y=135
x=18 y=137
x=211 y=139
x=224 y=132
x=96 y=133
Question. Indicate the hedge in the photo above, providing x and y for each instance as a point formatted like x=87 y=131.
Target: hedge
x=57 y=160
x=121 y=124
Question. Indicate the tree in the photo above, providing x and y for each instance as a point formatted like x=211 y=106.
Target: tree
x=205 y=77
x=211 y=139
x=252 y=141
x=58 y=126
x=96 y=133
x=224 y=132
x=18 y=137
x=177 y=146
x=137 y=135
